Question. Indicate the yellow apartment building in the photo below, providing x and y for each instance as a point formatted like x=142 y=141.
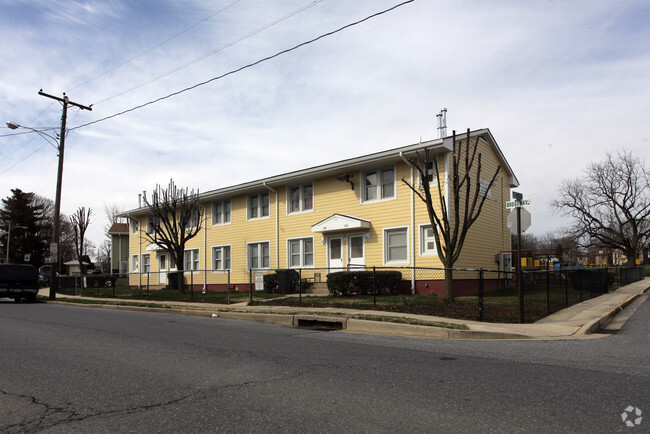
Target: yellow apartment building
x=347 y=214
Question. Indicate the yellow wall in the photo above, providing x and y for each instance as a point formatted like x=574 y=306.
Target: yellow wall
x=486 y=238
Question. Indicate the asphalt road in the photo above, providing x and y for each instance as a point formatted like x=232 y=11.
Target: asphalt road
x=75 y=369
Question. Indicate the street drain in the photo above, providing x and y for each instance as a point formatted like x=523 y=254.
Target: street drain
x=322 y=325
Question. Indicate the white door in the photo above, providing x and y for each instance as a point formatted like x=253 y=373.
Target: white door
x=162 y=268
x=335 y=253
x=356 y=253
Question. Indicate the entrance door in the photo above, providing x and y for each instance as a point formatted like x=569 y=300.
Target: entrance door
x=356 y=254
x=162 y=268
x=335 y=252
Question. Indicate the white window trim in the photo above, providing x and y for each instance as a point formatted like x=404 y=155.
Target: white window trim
x=385 y=246
x=434 y=181
x=135 y=225
x=221 y=270
x=135 y=263
x=197 y=260
x=302 y=252
x=423 y=252
x=144 y=264
x=379 y=185
x=212 y=215
x=248 y=256
x=195 y=219
x=259 y=206
x=302 y=198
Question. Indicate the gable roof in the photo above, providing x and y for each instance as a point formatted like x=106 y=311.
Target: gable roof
x=119 y=229
x=339 y=167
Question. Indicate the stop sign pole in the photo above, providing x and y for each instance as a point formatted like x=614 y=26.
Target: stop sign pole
x=517 y=203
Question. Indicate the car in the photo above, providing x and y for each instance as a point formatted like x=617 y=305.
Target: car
x=19 y=281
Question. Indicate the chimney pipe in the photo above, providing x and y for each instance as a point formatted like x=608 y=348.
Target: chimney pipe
x=442 y=123
x=139 y=200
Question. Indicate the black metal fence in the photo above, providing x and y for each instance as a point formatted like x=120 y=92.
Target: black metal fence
x=482 y=295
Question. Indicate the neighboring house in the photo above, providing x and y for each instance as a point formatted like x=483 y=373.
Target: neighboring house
x=119 y=233
x=350 y=213
x=72 y=267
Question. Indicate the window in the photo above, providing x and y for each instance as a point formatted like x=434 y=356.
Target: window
x=135 y=226
x=146 y=263
x=194 y=218
x=152 y=224
x=483 y=189
x=301 y=252
x=221 y=258
x=427 y=241
x=191 y=260
x=379 y=184
x=221 y=212
x=134 y=263
x=396 y=246
x=301 y=198
x=258 y=205
x=431 y=171
x=258 y=255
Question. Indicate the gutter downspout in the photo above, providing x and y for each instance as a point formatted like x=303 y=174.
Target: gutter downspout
x=277 y=226
x=205 y=250
x=401 y=155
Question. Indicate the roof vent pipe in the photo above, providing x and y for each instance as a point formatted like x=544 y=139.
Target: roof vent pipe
x=139 y=200
x=442 y=123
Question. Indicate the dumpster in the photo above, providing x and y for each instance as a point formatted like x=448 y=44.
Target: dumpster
x=287 y=280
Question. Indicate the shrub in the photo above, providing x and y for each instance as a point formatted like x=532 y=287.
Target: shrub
x=361 y=282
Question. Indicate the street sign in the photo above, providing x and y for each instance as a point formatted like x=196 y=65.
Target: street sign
x=525 y=220
x=517 y=196
x=517 y=203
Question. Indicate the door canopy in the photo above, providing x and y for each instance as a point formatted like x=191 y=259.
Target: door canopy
x=340 y=222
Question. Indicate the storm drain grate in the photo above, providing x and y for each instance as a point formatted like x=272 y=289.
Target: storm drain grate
x=316 y=324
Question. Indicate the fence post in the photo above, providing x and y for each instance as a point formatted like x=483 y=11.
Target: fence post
x=148 y=282
x=228 y=287
x=480 y=294
x=374 y=286
x=299 y=285
x=548 y=290
x=566 y=287
x=191 y=284
x=250 y=285
x=520 y=285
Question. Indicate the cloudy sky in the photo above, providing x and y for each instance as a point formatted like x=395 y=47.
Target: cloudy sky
x=559 y=84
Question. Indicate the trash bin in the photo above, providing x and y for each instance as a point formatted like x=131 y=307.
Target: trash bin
x=287 y=279
x=172 y=280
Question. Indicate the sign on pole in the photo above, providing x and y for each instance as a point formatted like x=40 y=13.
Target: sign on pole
x=525 y=220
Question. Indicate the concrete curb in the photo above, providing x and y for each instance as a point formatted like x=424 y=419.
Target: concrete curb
x=584 y=320
x=600 y=323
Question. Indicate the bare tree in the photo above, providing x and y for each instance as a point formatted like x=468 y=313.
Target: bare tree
x=112 y=212
x=80 y=222
x=104 y=256
x=610 y=204
x=451 y=223
x=175 y=218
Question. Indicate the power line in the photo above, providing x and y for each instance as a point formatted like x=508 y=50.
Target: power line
x=154 y=47
x=250 y=65
x=210 y=53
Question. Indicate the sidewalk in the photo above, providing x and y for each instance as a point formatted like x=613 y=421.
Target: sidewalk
x=575 y=322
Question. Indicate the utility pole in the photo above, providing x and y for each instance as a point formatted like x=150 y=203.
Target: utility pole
x=54 y=247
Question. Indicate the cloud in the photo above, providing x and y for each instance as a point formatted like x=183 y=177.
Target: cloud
x=558 y=83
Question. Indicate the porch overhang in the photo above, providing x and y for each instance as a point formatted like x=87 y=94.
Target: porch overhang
x=340 y=222
x=153 y=248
